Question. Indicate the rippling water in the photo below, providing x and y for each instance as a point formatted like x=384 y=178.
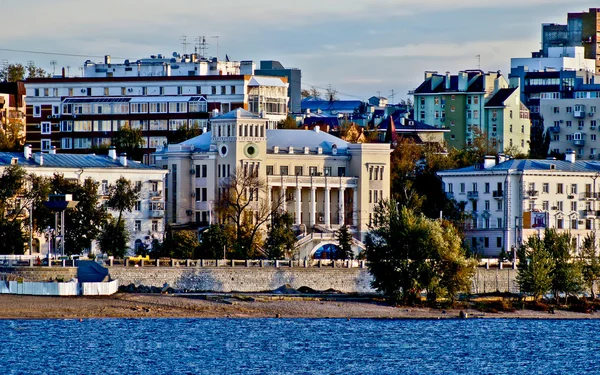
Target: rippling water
x=299 y=346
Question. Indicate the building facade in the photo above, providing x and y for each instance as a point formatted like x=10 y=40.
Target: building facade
x=508 y=202
x=144 y=223
x=79 y=114
x=459 y=103
x=323 y=181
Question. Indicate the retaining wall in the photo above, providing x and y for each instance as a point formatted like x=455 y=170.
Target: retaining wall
x=38 y=274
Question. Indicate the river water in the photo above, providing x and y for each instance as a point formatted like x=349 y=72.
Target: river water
x=299 y=346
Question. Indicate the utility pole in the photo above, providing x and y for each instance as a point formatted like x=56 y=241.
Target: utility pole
x=392 y=95
x=53 y=63
x=478 y=57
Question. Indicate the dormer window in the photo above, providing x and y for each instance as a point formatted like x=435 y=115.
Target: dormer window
x=306 y=150
x=291 y=150
x=334 y=149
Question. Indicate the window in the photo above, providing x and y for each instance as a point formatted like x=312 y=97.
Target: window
x=569 y=124
x=462 y=187
x=223 y=90
x=269 y=170
x=499 y=240
x=559 y=188
x=179 y=90
x=232 y=90
x=46 y=128
x=161 y=90
x=36 y=92
x=158 y=107
x=555 y=110
x=138 y=205
x=559 y=205
x=312 y=171
x=46 y=92
x=66 y=143
x=573 y=206
x=486 y=242
x=138 y=225
x=474 y=186
x=82 y=143
x=283 y=170
x=298 y=170
x=499 y=205
x=450 y=188
x=341 y=171
x=46 y=144
x=574 y=189
x=559 y=223
x=37 y=111
x=154 y=225
x=487 y=188
x=487 y=205
x=213 y=90
x=327 y=171
x=593 y=137
x=573 y=223
x=106 y=91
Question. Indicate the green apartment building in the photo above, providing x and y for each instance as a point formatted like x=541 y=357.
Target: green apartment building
x=460 y=104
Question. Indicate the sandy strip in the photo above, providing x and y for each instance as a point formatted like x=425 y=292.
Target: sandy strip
x=170 y=306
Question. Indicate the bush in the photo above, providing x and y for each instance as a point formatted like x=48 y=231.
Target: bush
x=495 y=306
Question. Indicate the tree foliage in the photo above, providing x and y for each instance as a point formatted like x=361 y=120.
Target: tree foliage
x=288 y=123
x=213 y=243
x=180 y=244
x=344 y=238
x=129 y=141
x=12 y=135
x=18 y=72
x=408 y=253
x=243 y=207
x=280 y=237
x=113 y=238
x=184 y=133
x=590 y=264
x=122 y=196
x=566 y=275
x=534 y=275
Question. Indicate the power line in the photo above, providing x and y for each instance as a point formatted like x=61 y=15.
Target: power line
x=53 y=53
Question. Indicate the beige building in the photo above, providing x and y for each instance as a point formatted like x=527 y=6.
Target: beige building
x=572 y=125
x=326 y=181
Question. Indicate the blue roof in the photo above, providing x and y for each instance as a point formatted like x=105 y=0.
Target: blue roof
x=524 y=165
x=238 y=113
x=322 y=120
x=70 y=161
x=298 y=139
x=201 y=142
x=326 y=105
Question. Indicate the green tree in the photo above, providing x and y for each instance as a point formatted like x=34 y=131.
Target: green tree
x=122 y=196
x=536 y=265
x=590 y=264
x=82 y=223
x=113 y=238
x=12 y=237
x=213 y=243
x=288 y=123
x=34 y=71
x=12 y=73
x=280 y=238
x=540 y=141
x=408 y=253
x=180 y=244
x=129 y=141
x=183 y=133
x=12 y=135
x=344 y=238
x=566 y=275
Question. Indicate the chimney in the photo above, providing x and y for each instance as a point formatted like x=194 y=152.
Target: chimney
x=489 y=161
x=501 y=158
x=317 y=128
x=123 y=159
x=447 y=80
x=107 y=59
x=52 y=150
x=570 y=156
x=463 y=81
x=112 y=152
x=27 y=151
x=63 y=72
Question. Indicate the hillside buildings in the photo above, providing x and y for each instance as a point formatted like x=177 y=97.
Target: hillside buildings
x=144 y=223
x=323 y=181
x=508 y=202
x=79 y=114
x=12 y=105
x=471 y=101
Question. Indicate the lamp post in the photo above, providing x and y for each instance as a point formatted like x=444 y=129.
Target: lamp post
x=59 y=203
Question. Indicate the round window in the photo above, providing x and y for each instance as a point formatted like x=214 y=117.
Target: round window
x=223 y=150
x=251 y=150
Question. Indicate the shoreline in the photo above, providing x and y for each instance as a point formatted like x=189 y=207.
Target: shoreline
x=159 y=306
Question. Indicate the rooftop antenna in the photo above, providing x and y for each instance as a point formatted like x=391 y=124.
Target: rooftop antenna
x=184 y=43
x=392 y=95
x=378 y=94
x=201 y=46
x=80 y=71
x=478 y=57
x=68 y=69
x=217 y=38
x=53 y=63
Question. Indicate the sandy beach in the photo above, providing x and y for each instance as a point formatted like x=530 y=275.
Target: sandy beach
x=124 y=305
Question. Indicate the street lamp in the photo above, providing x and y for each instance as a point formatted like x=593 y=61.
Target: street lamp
x=59 y=203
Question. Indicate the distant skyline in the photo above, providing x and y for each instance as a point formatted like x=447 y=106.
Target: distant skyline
x=358 y=47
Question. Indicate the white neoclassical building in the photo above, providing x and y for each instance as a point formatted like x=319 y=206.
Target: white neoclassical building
x=326 y=181
x=514 y=199
x=145 y=222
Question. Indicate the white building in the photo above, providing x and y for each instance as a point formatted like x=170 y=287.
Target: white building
x=325 y=181
x=559 y=58
x=144 y=223
x=515 y=199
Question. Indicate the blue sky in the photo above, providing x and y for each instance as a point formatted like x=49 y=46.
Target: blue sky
x=360 y=47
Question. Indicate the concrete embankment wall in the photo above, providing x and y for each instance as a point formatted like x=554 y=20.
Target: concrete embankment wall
x=354 y=280
x=255 y=279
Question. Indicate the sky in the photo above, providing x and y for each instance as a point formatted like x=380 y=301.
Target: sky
x=359 y=47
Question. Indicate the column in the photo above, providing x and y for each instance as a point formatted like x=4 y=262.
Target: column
x=355 y=208
x=283 y=198
x=298 y=205
x=269 y=198
x=313 y=206
x=341 y=206
x=327 y=207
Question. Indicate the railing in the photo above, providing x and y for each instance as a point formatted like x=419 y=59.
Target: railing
x=305 y=181
x=473 y=195
x=532 y=194
x=247 y=263
x=157 y=213
x=31 y=261
x=589 y=195
x=579 y=142
x=498 y=194
x=554 y=129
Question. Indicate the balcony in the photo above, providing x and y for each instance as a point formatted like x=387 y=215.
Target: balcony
x=579 y=142
x=473 y=195
x=449 y=195
x=591 y=213
x=157 y=214
x=498 y=194
x=589 y=195
x=554 y=129
x=579 y=114
x=155 y=194
x=531 y=194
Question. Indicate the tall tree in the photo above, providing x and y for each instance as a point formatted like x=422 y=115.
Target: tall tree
x=536 y=265
x=12 y=73
x=288 y=123
x=130 y=141
x=12 y=135
x=113 y=238
x=408 y=252
x=82 y=223
x=566 y=275
x=242 y=205
x=280 y=238
x=213 y=244
x=34 y=71
x=180 y=244
x=590 y=264
x=331 y=94
x=344 y=238
x=184 y=133
x=122 y=196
